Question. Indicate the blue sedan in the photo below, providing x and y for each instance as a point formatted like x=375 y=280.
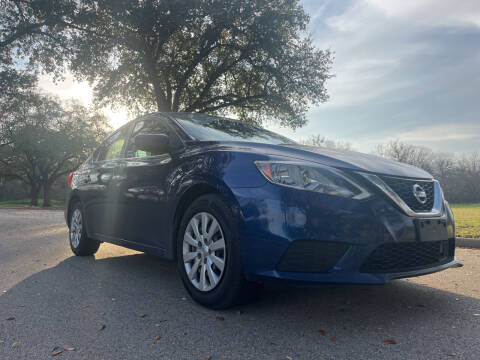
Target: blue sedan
x=236 y=206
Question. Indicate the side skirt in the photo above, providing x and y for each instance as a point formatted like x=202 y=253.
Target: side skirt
x=152 y=250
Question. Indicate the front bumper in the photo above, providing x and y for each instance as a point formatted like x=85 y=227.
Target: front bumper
x=273 y=219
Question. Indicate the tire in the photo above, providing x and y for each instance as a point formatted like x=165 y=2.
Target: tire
x=80 y=244
x=229 y=286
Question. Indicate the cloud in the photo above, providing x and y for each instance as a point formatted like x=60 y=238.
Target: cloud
x=402 y=69
x=432 y=13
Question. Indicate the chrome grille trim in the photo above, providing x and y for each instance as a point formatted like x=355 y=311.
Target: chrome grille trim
x=437 y=209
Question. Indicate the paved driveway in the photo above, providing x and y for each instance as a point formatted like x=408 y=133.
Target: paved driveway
x=59 y=300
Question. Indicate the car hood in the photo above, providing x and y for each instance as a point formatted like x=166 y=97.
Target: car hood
x=342 y=159
x=358 y=161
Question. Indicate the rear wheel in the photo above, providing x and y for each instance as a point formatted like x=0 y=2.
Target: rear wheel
x=209 y=255
x=80 y=244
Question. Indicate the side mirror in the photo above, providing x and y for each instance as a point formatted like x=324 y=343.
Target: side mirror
x=154 y=143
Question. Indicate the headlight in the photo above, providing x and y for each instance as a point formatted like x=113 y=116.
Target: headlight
x=312 y=177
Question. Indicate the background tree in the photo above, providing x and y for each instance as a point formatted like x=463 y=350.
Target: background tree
x=15 y=87
x=407 y=153
x=321 y=141
x=459 y=175
x=48 y=140
x=247 y=58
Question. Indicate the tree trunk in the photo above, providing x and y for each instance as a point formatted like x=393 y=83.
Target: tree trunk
x=34 y=192
x=46 y=195
x=162 y=105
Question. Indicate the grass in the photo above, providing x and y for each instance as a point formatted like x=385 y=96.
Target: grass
x=467 y=220
x=26 y=202
x=467 y=216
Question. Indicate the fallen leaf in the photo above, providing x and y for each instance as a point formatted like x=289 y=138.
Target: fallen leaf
x=158 y=337
x=369 y=326
x=142 y=315
x=390 y=342
x=208 y=358
x=69 y=348
x=271 y=343
x=239 y=324
x=321 y=332
x=333 y=338
x=56 y=352
x=101 y=327
x=11 y=318
x=452 y=355
x=221 y=318
x=84 y=306
x=16 y=344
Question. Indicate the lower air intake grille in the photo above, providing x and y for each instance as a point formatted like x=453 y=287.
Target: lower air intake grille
x=400 y=257
x=311 y=256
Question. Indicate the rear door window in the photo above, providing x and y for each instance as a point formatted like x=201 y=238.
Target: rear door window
x=112 y=147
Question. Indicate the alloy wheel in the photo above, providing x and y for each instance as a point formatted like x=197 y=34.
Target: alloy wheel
x=76 y=228
x=204 y=251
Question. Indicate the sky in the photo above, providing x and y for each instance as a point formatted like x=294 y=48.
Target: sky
x=404 y=69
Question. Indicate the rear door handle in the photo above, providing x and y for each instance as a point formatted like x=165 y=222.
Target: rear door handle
x=104 y=178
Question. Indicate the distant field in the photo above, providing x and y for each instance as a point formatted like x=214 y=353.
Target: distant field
x=26 y=202
x=467 y=220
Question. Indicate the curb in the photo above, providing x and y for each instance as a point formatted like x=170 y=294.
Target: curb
x=467 y=243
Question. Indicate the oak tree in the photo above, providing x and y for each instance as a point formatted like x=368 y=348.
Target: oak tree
x=252 y=59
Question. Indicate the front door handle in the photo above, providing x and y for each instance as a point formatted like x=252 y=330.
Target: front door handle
x=104 y=178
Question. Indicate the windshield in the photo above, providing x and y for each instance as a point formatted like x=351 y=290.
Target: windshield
x=213 y=128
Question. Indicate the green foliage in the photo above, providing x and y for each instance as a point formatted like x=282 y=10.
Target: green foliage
x=15 y=87
x=39 y=32
x=47 y=139
x=26 y=202
x=248 y=58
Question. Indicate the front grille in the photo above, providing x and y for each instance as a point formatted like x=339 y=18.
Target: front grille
x=399 y=257
x=404 y=189
x=311 y=256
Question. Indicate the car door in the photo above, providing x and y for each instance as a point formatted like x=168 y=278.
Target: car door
x=144 y=187
x=100 y=188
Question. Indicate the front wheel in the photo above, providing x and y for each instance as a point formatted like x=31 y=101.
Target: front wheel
x=80 y=244
x=209 y=255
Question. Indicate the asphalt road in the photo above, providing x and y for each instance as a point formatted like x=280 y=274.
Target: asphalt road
x=58 y=300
